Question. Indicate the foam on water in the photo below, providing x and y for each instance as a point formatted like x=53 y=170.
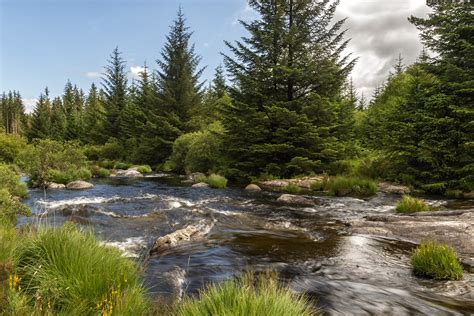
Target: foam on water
x=81 y=200
x=130 y=247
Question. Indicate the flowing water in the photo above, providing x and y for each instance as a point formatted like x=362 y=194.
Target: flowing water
x=310 y=247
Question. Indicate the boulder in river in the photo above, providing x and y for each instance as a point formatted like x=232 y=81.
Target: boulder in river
x=196 y=176
x=200 y=185
x=187 y=234
x=55 y=186
x=390 y=188
x=279 y=185
x=295 y=199
x=79 y=185
x=253 y=187
x=132 y=172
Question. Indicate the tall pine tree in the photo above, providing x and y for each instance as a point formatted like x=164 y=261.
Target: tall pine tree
x=41 y=118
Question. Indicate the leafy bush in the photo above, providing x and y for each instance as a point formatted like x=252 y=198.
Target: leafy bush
x=58 y=176
x=107 y=164
x=340 y=167
x=317 y=186
x=10 y=180
x=144 y=169
x=343 y=186
x=292 y=188
x=112 y=150
x=46 y=155
x=216 y=181
x=302 y=165
x=410 y=204
x=435 y=188
x=122 y=165
x=10 y=207
x=93 y=152
x=247 y=296
x=73 y=273
x=436 y=261
x=99 y=172
x=10 y=147
x=83 y=174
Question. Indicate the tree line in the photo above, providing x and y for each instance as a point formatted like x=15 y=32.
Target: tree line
x=282 y=104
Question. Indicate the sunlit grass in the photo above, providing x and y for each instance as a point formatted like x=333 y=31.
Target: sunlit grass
x=436 y=261
x=344 y=186
x=410 y=204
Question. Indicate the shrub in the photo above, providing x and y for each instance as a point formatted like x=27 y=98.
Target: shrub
x=10 y=147
x=144 y=169
x=302 y=165
x=216 y=181
x=10 y=180
x=112 y=150
x=71 y=271
x=99 y=172
x=343 y=186
x=83 y=174
x=107 y=164
x=122 y=165
x=436 y=261
x=435 y=188
x=317 y=186
x=292 y=188
x=93 y=152
x=10 y=207
x=247 y=296
x=410 y=204
x=58 y=176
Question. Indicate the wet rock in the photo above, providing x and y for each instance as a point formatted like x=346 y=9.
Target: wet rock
x=200 y=185
x=79 y=185
x=253 y=187
x=295 y=199
x=278 y=185
x=390 y=188
x=55 y=186
x=126 y=173
x=187 y=234
x=196 y=176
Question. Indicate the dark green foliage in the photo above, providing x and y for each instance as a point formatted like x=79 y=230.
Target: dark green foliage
x=122 y=165
x=10 y=191
x=10 y=147
x=436 y=261
x=113 y=149
x=94 y=118
x=410 y=204
x=12 y=113
x=287 y=92
x=99 y=172
x=41 y=118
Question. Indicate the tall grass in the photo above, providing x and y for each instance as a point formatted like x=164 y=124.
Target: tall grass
x=350 y=186
x=410 y=204
x=73 y=273
x=292 y=188
x=436 y=261
x=216 y=181
x=247 y=296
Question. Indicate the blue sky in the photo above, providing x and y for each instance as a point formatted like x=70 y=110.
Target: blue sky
x=46 y=42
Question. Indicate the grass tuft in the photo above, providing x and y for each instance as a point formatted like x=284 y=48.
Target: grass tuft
x=69 y=270
x=143 y=169
x=247 y=295
x=436 y=261
x=292 y=188
x=216 y=181
x=351 y=186
x=410 y=204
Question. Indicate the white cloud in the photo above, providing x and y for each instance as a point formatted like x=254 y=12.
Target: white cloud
x=205 y=44
x=29 y=104
x=245 y=14
x=136 y=70
x=93 y=74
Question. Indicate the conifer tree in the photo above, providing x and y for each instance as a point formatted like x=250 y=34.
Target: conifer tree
x=94 y=118
x=41 y=118
x=58 y=120
x=114 y=83
x=288 y=77
x=219 y=87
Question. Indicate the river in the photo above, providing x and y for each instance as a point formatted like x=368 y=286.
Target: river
x=310 y=247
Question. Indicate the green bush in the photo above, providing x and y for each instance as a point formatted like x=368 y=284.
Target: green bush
x=83 y=174
x=216 y=181
x=10 y=147
x=58 y=176
x=112 y=150
x=93 y=152
x=144 y=169
x=10 y=180
x=292 y=188
x=76 y=275
x=302 y=165
x=247 y=296
x=99 y=172
x=435 y=188
x=122 y=165
x=317 y=186
x=344 y=186
x=107 y=164
x=410 y=204
x=436 y=261
x=10 y=207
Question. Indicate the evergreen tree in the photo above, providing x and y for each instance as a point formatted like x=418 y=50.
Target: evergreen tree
x=12 y=113
x=58 y=120
x=219 y=87
x=399 y=66
x=114 y=83
x=288 y=78
x=41 y=118
x=179 y=89
x=94 y=118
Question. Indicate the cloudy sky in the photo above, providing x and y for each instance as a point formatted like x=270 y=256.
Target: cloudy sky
x=46 y=42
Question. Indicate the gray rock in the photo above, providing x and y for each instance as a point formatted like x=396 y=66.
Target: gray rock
x=200 y=185
x=295 y=199
x=127 y=173
x=196 y=176
x=79 y=185
x=253 y=187
x=55 y=186
x=187 y=234
x=390 y=188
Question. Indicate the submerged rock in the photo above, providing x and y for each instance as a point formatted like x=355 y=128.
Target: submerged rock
x=187 y=234
x=55 y=186
x=253 y=187
x=79 y=185
x=295 y=199
x=390 y=188
x=200 y=185
x=132 y=172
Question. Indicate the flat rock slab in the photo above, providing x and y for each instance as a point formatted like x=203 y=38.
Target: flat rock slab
x=455 y=228
x=201 y=185
x=126 y=173
x=55 y=186
x=391 y=188
x=278 y=185
x=295 y=200
x=79 y=185
x=187 y=234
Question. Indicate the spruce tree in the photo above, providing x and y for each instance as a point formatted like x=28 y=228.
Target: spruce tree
x=41 y=118
x=114 y=83
x=58 y=120
x=179 y=89
x=94 y=118
x=287 y=79
x=219 y=87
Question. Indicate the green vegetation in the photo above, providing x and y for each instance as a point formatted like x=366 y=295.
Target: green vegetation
x=436 y=261
x=65 y=270
x=143 y=169
x=99 y=172
x=122 y=165
x=410 y=204
x=292 y=188
x=343 y=186
x=247 y=296
x=216 y=181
